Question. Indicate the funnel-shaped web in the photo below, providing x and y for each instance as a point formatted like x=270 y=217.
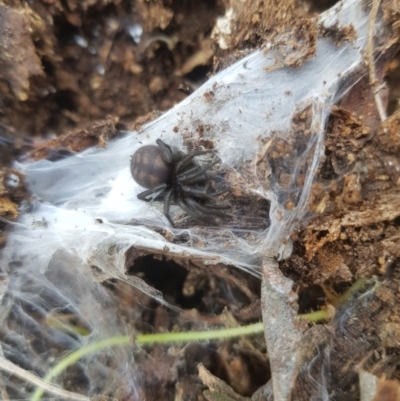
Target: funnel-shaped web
x=249 y=114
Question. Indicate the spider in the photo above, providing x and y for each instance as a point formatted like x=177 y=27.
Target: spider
x=176 y=178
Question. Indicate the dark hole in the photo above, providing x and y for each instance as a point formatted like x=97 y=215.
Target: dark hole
x=66 y=100
x=96 y=14
x=322 y=5
x=64 y=31
x=259 y=371
x=167 y=277
x=341 y=287
x=48 y=67
x=326 y=171
x=199 y=74
x=311 y=298
x=322 y=234
x=392 y=79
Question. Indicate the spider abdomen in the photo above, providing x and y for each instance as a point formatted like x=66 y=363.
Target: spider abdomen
x=148 y=167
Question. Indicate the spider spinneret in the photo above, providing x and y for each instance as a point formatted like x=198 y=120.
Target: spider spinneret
x=176 y=178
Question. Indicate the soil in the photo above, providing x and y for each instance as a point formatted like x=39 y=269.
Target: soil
x=78 y=73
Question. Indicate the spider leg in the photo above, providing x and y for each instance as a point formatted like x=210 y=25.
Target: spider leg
x=221 y=206
x=192 y=170
x=159 y=188
x=167 y=204
x=192 y=213
x=196 y=180
x=189 y=158
x=185 y=177
x=205 y=209
x=202 y=194
x=218 y=193
x=166 y=150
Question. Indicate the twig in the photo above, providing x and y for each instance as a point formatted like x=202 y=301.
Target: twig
x=282 y=329
x=9 y=367
x=370 y=59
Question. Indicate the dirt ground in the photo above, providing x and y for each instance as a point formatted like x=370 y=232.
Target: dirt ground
x=75 y=74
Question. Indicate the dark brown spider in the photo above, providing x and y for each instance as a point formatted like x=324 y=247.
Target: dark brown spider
x=175 y=177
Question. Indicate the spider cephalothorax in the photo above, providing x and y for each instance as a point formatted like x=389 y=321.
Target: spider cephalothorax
x=176 y=178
